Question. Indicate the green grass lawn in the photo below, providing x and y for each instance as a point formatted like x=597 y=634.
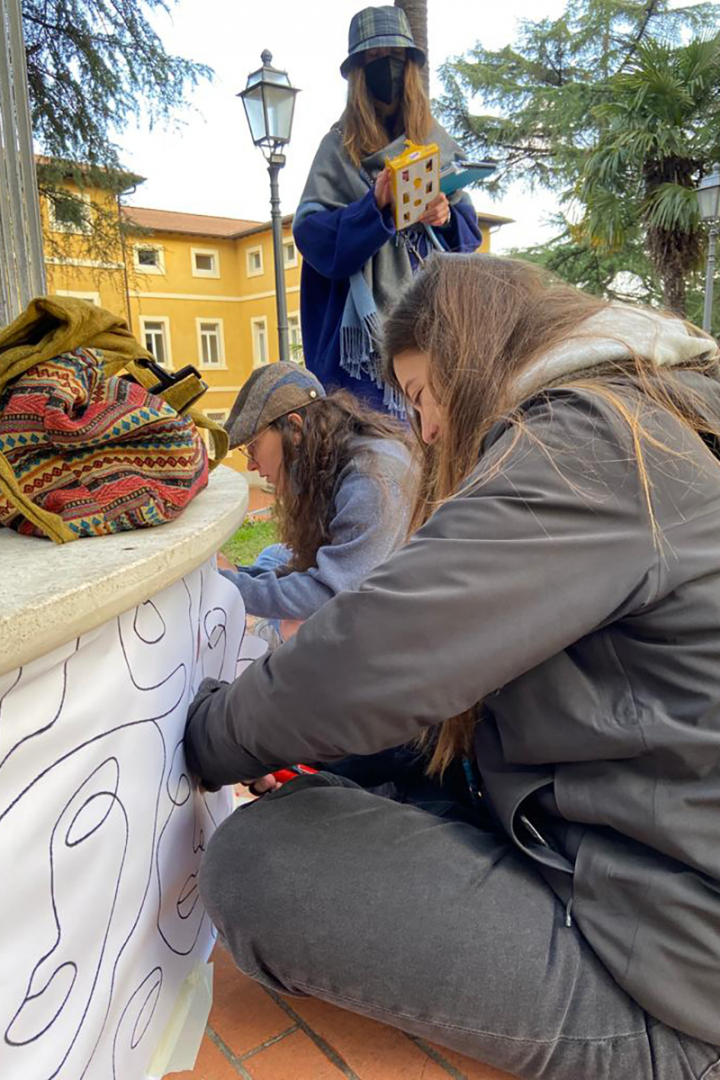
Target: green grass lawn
x=246 y=544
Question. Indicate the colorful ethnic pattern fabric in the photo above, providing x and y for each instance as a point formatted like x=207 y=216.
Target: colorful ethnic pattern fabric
x=99 y=451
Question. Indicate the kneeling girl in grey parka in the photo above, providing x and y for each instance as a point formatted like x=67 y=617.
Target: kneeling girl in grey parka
x=344 y=482
x=556 y=619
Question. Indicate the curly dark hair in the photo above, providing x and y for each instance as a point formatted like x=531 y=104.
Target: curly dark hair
x=314 y=455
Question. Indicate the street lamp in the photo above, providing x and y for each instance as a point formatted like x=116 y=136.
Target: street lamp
x=709 y=201
x=269 y=101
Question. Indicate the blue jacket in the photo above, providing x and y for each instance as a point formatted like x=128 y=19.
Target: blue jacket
x=337 y=243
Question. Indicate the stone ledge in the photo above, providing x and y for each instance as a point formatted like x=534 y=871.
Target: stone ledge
x=50 y=594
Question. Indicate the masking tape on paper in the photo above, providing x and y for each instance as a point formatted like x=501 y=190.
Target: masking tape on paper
x=179 y=1045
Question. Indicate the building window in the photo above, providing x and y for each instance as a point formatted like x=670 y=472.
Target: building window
x=149 y=259
x=259 y=341
x=219 y=416
x=254 y=261
x=289 y=253
x=91 y=297
x=70 y=213
x=211 y=346
x=205 y=262
x=156 y=337
x=295 y=339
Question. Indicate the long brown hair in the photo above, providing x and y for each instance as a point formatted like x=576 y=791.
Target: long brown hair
x=362 y=127
x=482 y=320
x=313 y=456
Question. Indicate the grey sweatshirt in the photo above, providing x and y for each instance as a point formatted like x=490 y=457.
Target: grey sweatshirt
x=370 y=518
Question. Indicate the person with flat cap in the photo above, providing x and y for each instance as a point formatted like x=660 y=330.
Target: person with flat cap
x=343 y=477
x=355 y=263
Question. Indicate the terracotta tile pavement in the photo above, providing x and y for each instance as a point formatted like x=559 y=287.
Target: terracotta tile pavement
x=260 y=499
x=257 y=1035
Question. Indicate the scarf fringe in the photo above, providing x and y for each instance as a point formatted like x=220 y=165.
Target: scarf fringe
x=358 y=349
x=360 y=360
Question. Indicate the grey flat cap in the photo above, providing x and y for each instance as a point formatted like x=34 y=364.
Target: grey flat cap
x=272 y=391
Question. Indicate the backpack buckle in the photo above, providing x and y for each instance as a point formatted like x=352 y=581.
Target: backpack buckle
x=181 y=389
x=166 y=378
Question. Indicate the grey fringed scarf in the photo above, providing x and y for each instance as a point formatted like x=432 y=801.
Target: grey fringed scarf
x=334 y=182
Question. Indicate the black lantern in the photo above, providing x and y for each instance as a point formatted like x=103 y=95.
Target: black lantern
x=708 y=194
x=269 y=102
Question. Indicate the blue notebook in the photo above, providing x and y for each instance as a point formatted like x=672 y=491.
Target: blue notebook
x=459 y=174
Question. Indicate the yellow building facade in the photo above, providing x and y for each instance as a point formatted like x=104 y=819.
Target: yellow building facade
x=195 y=289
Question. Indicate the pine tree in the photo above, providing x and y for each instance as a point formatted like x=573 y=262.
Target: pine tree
x=604 y=106
x=93 y=66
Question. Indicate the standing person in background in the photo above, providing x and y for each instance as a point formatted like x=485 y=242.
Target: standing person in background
x=355 y=262
x=343 y=477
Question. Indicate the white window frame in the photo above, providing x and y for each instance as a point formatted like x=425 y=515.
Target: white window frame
x=248 y=267
x=257 y=321
x=91 y=297
x=214 y=254
x=290 y=263
x=214 y=414
x=67 y=226
x=221 y=343
x=141 y=269
x=165 y=320
x=219 y=416
x=299 y=357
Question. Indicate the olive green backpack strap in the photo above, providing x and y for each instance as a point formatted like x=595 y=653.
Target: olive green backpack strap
x=218 y=435
x=52 y=525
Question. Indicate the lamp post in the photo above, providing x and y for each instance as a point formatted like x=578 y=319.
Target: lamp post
x=269 y=101
x=709 y=201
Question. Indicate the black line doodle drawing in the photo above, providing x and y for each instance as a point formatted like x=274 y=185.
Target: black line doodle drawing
x=59 y=689
x=102 y=834
x=129 y=1038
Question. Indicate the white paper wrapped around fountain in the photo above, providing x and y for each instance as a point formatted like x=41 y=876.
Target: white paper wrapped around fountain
x=105 y=938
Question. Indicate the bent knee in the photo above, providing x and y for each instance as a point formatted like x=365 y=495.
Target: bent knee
x=265 y=851
x=228 y=872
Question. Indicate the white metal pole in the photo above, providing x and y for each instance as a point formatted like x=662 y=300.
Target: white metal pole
x=710 y=277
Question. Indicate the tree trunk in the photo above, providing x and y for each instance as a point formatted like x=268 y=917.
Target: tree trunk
x=416 y=11
x=674 y=292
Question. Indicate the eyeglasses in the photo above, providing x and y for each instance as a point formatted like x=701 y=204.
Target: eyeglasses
x=249 y=450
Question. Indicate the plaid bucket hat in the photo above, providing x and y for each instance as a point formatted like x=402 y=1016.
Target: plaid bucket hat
x=272 y=391
x=379 y=28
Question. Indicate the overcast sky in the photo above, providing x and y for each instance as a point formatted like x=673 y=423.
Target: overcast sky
x=210 y=166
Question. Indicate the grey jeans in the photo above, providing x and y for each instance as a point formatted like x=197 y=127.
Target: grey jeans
x=433 y=925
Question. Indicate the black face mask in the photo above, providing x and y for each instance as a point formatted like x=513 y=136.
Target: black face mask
x=385 y=78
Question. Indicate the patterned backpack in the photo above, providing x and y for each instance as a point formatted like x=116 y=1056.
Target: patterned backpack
x=84 y=449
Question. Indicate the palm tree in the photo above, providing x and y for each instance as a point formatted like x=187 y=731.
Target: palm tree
x=416 y=11
x=659 y=136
